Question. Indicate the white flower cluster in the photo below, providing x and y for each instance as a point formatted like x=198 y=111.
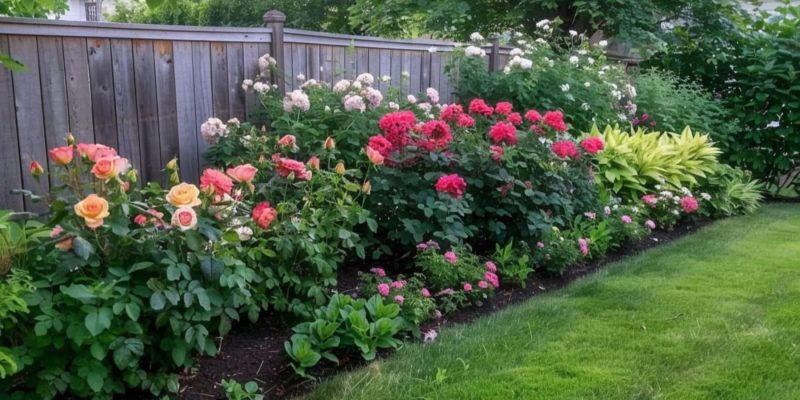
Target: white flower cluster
x=517 y=61
x=545 y=25
x=433 y=95
x=354 y=103
x=473 y=51
x=296 y=100
x=476 y=37
x=342 y=86
x=365 y=79
x=266 y=62
x=372 y=95
x=213 y=129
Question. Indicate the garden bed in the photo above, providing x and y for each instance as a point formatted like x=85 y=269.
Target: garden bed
x=255 y=352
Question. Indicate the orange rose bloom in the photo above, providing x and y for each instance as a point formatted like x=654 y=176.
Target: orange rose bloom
x=184 y=194
x=61 y=155
x=93 y=209
x=242 y=173
x=109 y=167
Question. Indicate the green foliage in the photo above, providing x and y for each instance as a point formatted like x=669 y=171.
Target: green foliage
x=346 y=324
x=732 y=191
x=637 y=22
x=753 y=65
x=235 y=391
x=32 y=8
x=316 y=15
x=556 y=252
x=513 y=264
x=672 y=103
x=634 y=163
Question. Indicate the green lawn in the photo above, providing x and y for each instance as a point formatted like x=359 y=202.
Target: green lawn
x=714 y=315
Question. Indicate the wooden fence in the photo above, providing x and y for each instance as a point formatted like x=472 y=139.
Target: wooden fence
x=145 y=89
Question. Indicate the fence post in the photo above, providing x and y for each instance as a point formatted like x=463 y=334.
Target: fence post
x=275 y=20
x=494 y=56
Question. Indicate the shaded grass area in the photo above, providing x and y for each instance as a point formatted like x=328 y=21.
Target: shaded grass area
x=714 y=315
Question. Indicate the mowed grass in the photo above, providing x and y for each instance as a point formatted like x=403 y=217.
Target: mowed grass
x=714 y=315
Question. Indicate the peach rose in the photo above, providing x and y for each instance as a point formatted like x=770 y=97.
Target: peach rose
x=61 y=155
x=89 y=150
x=214 y=181
x=184 y=218
x=109 y=167
x=242 y=173
x=184 y=195
x=287 y=141
x=330 y=144
x=374 y=156
x=93 y=209
x=313 y=162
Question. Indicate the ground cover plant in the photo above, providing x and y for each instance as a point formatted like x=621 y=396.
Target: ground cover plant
x=666 y=323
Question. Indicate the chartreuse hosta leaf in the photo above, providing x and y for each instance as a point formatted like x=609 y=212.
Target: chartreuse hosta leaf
x=635 y=162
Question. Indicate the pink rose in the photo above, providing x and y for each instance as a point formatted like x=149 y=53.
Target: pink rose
x=242 y=173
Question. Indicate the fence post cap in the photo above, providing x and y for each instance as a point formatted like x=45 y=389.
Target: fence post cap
x=274 y=16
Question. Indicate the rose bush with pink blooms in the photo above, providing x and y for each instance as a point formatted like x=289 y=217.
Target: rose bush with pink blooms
x=132 y=282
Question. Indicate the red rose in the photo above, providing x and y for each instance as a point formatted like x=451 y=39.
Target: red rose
x=451 y=184
x=565 y=148
x=555 y=119
x=503 y=132
x=264 y=214
x=593 y=144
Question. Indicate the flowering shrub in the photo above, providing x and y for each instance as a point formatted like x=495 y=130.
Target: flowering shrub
x=415 y=299
x=452 y=270
x=128 y=273
x=666 y=207
x=551 y=72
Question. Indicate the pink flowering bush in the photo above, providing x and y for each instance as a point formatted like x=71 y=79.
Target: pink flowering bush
x=417 y=304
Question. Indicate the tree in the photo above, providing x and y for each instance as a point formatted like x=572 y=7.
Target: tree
x=637 y=22
x=318 y=15
x=29 y=9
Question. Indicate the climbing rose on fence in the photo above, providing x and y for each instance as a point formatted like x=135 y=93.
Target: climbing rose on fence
x=61 y=155
x=451 y=184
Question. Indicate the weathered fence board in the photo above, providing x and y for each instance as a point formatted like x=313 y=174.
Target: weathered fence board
x=11 y=178
x=79 y=90
x=146 y=89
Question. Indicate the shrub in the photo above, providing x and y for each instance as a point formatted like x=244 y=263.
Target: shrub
x=555 y=252
x=669 y=103
x=568 y=74
x=752 y=65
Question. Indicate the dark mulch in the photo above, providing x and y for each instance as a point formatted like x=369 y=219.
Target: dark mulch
x=255 y=352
